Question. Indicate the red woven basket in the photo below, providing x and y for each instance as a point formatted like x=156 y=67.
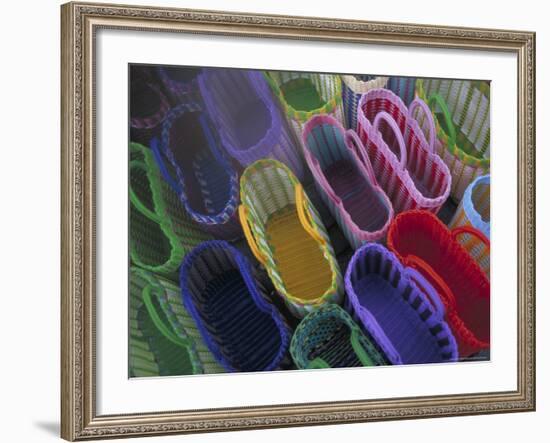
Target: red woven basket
x=423 y=242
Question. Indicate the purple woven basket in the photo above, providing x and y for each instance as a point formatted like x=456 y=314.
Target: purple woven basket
x=398 y=308
x=250 y=125
x=182 y=84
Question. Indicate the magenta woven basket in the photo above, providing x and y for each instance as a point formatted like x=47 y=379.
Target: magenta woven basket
x=399 y=309
x=345 y=181
x=182 y=84
x=411 y=174
x=247 y=118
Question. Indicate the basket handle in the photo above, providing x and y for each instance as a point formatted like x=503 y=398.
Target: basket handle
x=354 y=143
x=419 y=103
x=472 y=231
x=443 y=289
x=363 y=356
x=249 y=235
x=428 y=290
x=138 y=204
x=397 y=132
x=318 y=363
x=320 y=177
x=438 y=100
x=155 y=147
x=157 y=321
x=305 y=216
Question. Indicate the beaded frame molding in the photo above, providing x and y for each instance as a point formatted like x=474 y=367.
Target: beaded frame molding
x=79 y=23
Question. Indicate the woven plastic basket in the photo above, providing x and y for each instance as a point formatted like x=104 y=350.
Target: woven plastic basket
x=303 y=95
x=248 y=119
x=398 y=308
x=346 y=184
x=403 y=87
x=287 y=236
x=160 y=325
x=229 y=301
x=182 y=84
x=462 y=115
x=422 y=242
x=329 y=338
x=353 y=87
x=161 y=233
x=410 y=173
x=475 y=211
x=203 y=177
x=148 y=107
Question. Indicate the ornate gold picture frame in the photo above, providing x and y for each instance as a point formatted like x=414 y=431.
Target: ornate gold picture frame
x=80 y=22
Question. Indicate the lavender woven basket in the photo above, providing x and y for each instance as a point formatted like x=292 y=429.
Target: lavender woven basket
x=249 y=122
x=345 y=180
x=229 y=301
x=398 y=308
x=199 y=172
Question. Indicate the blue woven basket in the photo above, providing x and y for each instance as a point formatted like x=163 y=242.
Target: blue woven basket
x=229 y=301
x=404 y=87
x=353 y=87
x=204 y=179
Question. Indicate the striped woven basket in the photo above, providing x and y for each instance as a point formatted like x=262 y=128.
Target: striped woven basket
x=164 y=339
x=475 y=211
x=409 y=172
x=287 y=236
x=329 y=338
x=303 y=95
x=229 y=301
x=148 y=108
x=403 y=87
x=201 y=174
x=345 y=180
x=399 y=309
x=421 y=241
x=353 y=87
x=461 y=110
x=248 y=118
x=161 y=233
x=182 y=84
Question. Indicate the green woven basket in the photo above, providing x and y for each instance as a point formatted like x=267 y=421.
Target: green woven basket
x=329 y=338
x=160 y=231
x=164 y=339
x=462 y=117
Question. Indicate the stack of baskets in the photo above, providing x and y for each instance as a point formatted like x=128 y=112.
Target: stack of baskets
x=294 y=220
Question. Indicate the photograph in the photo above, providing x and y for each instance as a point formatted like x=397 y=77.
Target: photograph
x=289 y=220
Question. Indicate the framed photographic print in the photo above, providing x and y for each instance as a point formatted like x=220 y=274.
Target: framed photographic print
x=282 y=221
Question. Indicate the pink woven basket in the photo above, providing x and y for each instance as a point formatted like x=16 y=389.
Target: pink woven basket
x=411 y=174
x=345 y=180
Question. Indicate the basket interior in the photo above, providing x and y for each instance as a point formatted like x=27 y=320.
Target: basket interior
x=206 y=179
x=238 y=103
x=245 y=334
x=305 y=91
x=144 y=100
x=365 y=206
x=398 y=308
x=421 y=235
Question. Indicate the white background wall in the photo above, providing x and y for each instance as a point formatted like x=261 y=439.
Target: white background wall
x=29 y=217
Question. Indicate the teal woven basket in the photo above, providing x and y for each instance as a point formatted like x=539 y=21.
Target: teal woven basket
x=329 y=338
x=164 y=339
